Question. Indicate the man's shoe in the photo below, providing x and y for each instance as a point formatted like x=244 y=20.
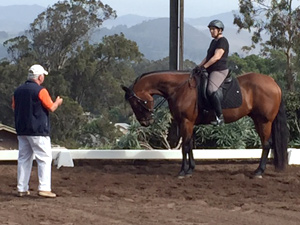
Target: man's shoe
x=23 y=193
x=219 y=121
x=47 y=194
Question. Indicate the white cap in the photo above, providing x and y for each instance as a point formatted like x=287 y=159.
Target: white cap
x=37 y=70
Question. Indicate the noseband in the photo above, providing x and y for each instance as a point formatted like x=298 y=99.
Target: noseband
x=142 y=102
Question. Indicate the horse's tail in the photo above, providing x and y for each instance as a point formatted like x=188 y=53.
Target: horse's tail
x=280 y=135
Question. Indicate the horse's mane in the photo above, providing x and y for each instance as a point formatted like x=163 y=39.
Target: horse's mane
x=156 y=71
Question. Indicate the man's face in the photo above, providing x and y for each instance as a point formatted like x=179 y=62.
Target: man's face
x=41 y=78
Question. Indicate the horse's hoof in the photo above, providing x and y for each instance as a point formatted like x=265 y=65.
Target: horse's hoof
x=258 y=176
x=258 y=173
x=181 y=175
x=188 y=175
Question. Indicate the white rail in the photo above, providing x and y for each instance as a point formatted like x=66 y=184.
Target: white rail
x=65 y=157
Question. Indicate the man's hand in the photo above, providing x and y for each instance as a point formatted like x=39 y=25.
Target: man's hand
x=57 y=103
x=59 y=100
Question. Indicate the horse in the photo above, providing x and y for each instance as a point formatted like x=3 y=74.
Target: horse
x=261 y=100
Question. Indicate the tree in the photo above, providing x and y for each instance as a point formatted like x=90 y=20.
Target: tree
x=87 y=76
x=67 y=123
x=18 y=48
x=57 y=32
x=278 y=19
x=156 y=65
x=96 y=72
x=100 y=133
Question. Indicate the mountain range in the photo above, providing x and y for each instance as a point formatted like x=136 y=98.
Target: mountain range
x=151 y=34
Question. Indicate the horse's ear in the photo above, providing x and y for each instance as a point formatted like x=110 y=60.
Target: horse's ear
x=128 y=92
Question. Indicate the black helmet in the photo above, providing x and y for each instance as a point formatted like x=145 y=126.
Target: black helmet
x=217 y=24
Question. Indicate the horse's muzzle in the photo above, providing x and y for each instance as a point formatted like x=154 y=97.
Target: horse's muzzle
x=146 y=123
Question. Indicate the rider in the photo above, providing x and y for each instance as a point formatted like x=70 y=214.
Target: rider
x=215 y=63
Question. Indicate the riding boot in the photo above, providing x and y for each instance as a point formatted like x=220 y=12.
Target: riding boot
x=216 y=103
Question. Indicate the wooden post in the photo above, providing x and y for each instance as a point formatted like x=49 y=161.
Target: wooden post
x=173 y=47
x=181 y=34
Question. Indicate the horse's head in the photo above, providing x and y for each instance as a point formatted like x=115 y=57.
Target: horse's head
x=142 y=106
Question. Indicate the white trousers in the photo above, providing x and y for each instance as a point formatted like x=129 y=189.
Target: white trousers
x=40 y=147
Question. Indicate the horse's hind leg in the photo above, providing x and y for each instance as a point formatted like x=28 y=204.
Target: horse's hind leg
x=264 y=131
x=263 y=161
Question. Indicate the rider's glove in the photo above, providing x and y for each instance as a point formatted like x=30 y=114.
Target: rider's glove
x=197 y=70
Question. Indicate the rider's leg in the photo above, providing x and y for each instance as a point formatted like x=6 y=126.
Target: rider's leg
x=216 y=78
x=216 y=103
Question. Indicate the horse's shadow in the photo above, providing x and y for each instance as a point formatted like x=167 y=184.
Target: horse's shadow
x=167 y=167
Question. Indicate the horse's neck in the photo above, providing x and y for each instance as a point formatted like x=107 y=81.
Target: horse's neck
x=163 y=84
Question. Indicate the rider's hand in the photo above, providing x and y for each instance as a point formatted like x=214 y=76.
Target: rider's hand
x=203 y=71
x=197 y=70
x=202 y=68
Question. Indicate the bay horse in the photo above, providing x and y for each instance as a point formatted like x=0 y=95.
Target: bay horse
x=261 y=100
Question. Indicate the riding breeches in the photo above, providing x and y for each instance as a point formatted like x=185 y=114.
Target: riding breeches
x=215 y=80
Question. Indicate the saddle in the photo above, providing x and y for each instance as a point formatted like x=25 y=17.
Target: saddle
x=229 y=92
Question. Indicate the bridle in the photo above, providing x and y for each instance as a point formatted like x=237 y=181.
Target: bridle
x=142 y=102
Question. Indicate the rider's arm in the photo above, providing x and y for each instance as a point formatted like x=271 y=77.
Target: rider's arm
x=203 y=62
x=217 y=56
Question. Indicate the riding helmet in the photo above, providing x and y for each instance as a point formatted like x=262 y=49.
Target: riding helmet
x=216 y=23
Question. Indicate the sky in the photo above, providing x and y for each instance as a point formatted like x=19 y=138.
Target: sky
x=150 y=8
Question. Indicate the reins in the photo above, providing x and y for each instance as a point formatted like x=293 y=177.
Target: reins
x=143 y=103
x=179 y=86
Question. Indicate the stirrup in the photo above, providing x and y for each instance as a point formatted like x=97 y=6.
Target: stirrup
x=219 y=121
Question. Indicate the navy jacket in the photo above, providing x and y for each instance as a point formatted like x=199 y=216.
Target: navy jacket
x=31 y=118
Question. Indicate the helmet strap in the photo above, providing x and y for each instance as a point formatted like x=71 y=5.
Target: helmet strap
x=220 y=32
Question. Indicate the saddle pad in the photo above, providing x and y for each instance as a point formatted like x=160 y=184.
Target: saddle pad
x=232 y=95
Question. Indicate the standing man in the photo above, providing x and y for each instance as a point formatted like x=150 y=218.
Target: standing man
x=31 y=104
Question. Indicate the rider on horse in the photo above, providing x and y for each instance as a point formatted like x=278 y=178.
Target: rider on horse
x=215 y=64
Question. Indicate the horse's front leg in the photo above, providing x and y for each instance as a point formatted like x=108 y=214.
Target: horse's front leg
x=184 y=165
x=191 y=159
x=187 y=166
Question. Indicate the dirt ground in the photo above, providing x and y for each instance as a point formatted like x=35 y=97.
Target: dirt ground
x=148 y=192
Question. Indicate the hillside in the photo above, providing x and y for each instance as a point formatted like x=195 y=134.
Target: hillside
x=151 y=34
x=16 y=18
x=152 y=37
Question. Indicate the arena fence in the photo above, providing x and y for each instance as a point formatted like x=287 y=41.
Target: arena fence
x=65 y=157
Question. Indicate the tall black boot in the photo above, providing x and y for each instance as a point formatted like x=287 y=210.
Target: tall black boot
x=216 y=103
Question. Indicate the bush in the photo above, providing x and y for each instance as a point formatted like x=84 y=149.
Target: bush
x=240 y=134
x=154 y=136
